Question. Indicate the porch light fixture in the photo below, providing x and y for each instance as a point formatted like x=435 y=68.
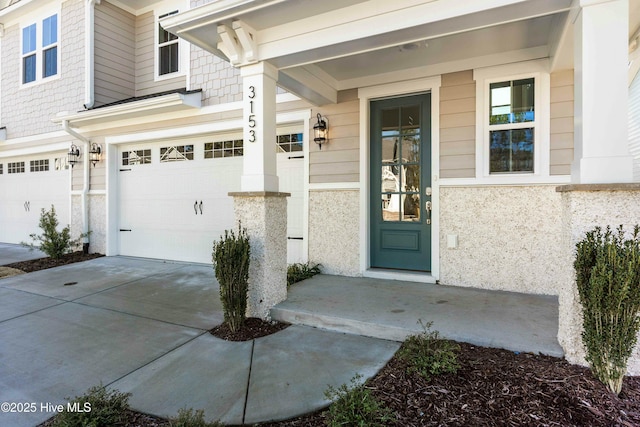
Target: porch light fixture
x=321 y=131
x=95 y=154
x=73 y=154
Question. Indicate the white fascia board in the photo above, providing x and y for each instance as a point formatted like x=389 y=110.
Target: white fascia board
x=202 y=129
x=39 y=149
x=145 y=107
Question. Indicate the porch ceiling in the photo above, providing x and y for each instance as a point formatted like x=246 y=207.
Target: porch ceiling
x=323 y=47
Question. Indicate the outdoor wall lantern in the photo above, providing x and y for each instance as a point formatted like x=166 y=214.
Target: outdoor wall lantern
x=321 y=131
x=95 y=154
x=73 y=155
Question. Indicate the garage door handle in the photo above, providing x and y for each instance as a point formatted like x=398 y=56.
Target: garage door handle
x=295 y=238
x=200 y=207
x=125 y=229
x=195 y=207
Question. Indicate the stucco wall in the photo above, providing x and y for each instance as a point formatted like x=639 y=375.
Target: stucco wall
x=581 y=212
x=334 y=231
x=97 y=221
x=509 y=238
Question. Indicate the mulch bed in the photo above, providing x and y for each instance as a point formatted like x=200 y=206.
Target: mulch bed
x=493 y=387
x=44 y=263
x=253 y=328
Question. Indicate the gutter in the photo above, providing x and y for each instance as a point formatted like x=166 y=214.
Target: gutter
x=85 y=184
x=89 y=57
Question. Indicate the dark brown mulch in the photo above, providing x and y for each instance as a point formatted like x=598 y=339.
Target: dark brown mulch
x=253 y=328
x=44 y=263
x=134 y=419
x=497 y=387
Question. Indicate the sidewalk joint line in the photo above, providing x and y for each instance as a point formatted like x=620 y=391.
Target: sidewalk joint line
x=246 y=396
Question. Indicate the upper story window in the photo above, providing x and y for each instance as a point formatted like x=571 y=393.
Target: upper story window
x=40 y=51
x=168 y=53
x=512 y=126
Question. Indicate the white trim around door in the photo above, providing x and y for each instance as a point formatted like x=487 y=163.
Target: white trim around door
x=366 y=95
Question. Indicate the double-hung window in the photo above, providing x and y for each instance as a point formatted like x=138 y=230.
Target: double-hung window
x=40 y=50
x=168 y=54
x=512 y=123
x=512 y=120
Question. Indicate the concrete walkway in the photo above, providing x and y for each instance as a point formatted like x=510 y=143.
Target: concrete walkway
x=140 y=326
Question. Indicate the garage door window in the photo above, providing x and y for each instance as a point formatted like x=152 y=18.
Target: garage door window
x=136 y=157
x=61 y=163
x=1 y=168
x=176 y=153
x=39 y=165
x=290 y=142
x=15 y=167
x=231 y=148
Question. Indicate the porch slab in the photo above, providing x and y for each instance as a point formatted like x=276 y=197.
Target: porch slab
x=392 y=310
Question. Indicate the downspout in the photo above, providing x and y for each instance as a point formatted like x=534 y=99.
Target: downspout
x=85 y=184
x=89 y=57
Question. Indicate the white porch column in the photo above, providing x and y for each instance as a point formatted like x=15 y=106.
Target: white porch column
x=259 y=207
x=601 y=153
x=259 y=114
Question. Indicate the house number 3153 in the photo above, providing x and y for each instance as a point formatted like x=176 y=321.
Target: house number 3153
x=252 y=120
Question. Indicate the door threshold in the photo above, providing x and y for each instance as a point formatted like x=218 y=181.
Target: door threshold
x=407 y=276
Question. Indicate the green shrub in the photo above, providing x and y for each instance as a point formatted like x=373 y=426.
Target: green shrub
x=428 y=354
x=355 y=406
x=607 y=269
x=231 y=264
x=298 y=272
x=191 y=418
x=52 y=242
x=97 y=408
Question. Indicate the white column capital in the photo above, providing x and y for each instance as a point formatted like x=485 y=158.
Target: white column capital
x=259 y=68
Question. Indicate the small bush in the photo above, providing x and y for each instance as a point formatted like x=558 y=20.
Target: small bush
x=608 y=278
x=298 y=272
x=191 y=418
x=428 y=354
x=231 y=264
x=355 y=406
x=105 y=409
x=52 y=242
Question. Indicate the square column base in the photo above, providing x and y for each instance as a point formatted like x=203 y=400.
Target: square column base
x=264 y=215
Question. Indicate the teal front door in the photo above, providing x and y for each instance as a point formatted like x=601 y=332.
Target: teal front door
x=401 y=183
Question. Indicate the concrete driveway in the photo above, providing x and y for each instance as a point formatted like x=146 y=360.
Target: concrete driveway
x=140 y=326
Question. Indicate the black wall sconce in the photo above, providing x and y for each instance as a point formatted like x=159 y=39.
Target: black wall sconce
x=95 y=154
x=73 y=155
x=321 y=131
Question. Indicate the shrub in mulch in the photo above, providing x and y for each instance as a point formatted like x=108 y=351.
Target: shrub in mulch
x=252 y=328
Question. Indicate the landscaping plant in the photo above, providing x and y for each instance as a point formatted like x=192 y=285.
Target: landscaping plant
x=355 y=406
x=428 y=354
x=231 y=264
x=52 y=242
x=299 y=271
x=607 y=269
x=191 y=418
x=97 y=408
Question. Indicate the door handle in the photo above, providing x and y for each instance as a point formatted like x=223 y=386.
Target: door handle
x=200 y=207
x=195 y=207
x=428 y=207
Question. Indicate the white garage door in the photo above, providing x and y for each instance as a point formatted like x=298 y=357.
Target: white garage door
x=28 y=185
x=174 y=198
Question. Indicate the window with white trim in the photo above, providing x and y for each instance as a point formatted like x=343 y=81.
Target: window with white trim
x=512 y=123
x=512 y=126
x=0 y=168
x=39 y=50
x=168 y=50
x=15 y=167
x=136 y=157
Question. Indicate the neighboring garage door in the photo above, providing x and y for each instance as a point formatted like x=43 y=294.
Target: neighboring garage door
x=174 y=198
x=26 y=186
